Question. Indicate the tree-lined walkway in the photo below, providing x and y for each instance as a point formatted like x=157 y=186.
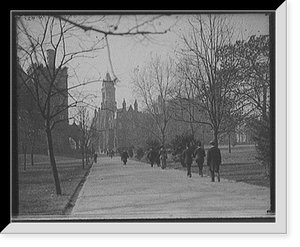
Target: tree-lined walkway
x=137 y=191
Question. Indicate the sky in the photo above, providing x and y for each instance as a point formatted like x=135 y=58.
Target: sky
x=128 y=52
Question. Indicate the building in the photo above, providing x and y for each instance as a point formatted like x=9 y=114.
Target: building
x=116 y=128
x=40 y=84
x=128 y=126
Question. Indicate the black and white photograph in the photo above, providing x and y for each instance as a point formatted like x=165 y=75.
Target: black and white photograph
x=144 y=117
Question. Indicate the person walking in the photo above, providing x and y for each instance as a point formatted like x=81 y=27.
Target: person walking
x=188 y=159
x=112 y=152
x=214 y=161
x=95 y=157
x=163 y=157
x=199 y=155
x=124 y=157
x=156 y=157
x=151 y=156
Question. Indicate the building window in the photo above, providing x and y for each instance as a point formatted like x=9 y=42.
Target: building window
x=73 y=143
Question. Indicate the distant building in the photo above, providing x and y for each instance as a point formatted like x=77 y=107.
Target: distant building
x=116 y=128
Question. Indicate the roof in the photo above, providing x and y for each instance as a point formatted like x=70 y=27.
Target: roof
x=130 y=108
x=107 y=77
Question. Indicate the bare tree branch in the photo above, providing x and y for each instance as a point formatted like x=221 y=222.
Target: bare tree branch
x=131 y=32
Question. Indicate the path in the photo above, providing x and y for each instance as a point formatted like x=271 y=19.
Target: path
x=137 y=191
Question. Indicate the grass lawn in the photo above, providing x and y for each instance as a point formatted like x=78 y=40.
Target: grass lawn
x=37 y=194
x=240 y=165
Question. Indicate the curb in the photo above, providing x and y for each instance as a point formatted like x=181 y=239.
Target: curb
x=71 y=203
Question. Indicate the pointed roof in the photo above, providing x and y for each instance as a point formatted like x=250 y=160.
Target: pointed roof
x=130 y=108
x=124 y=104
x=135 y=105
x=107 y=77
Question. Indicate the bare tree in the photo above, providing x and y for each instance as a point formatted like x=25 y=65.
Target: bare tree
x=142 y=28
x=45 y=46
x=42 y=46
x=254 y=71
x=87 y=131
x=153 y=85
x=209 y=68
x=185 y=103
x=254 y=66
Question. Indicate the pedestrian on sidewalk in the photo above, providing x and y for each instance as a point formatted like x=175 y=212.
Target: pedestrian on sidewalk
x=199 y=155
x=188 y=159
x=95 y=157
x=214 y=161
x=124 y=157
x=163 y=157
x=151 y=156
x=156 y=157
x=112 y=152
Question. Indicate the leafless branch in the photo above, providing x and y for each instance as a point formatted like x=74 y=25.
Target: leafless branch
x=131 y=32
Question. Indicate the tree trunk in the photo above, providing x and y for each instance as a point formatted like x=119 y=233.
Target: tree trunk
x=216 y=137
x=164 y=160
x=32 y=161
x=52 y=161
x=264 y=110
x=229 y=144
x=86 y=157
x=82 y=156
x=203 y=137
x=24 y=152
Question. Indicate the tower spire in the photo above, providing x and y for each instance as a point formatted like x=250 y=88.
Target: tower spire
x=107 y=77
x=135 y=105
x=124 y=105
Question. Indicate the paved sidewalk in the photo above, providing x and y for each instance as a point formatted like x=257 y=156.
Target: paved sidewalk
x=139 y=191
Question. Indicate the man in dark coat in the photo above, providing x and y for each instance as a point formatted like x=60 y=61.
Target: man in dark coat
x=151 y=156
x=214 y=161
x=156 y=157
x=95 y=157
x=112 y=152
x=188 y=159
x=124 y=157
x=199 y=155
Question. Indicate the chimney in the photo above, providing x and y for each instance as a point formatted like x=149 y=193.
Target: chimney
x=50 y=58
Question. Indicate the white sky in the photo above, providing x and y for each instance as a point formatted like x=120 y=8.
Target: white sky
x=129 y=52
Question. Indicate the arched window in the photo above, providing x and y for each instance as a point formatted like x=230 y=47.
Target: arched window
x=72 y=142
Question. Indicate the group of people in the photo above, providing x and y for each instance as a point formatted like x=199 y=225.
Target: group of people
x=158 y=157
x=124 y=156
x=110 y=153
x=213 y=160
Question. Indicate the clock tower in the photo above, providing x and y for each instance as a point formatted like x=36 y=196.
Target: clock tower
x=107 y=113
